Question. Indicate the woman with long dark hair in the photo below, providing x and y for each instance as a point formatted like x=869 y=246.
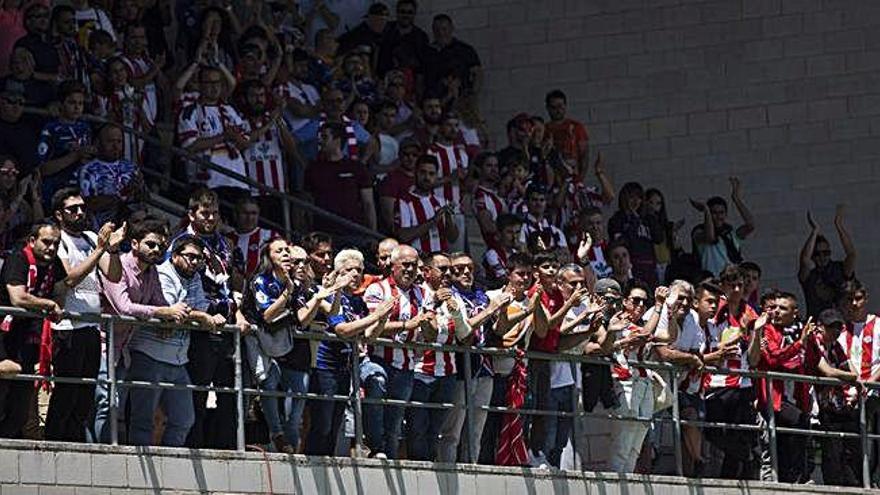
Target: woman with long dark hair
x=667 y=249
x=280 y=364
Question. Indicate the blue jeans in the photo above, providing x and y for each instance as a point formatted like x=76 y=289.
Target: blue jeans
x=177 y=404
x=424 y=424
x=285 y=380
x=326 y=416
x=382 y=423
x=101 y=429
x=558 y=429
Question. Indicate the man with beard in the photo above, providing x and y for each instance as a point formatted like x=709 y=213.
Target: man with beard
x=357 y=141
x=453 y=160
x=76 y=345
x=215 y=132
x=480 y=312
x=819 y=275
x=487 y=203
x=271 y=145
x=210 y=353
x=388 y=372
x=432 y=114
x=383 y=263
x=248 y=237
x=424 y=219
x=139 y=294
x=160 y=355
x=398 y=182
x=27 y=280
x=110 y=184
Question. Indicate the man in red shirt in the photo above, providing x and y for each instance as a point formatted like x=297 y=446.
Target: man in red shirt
x=785 y=338
x=340 y=185
x=570 y=137
x=397 y=183
x=545 y=339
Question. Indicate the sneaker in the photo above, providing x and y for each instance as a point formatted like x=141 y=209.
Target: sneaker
x=538 y=460
x=281 y=444
x=9 y=367
x=381 y=456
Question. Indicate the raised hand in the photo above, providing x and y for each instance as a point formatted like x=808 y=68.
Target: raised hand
x=698 y=205
x=812 y=223
x=660 y=294
x=584 y=246
x=599 y=164
x=578 y=295
x=117 y=236
x=735 y=187
x=807 y=331
x=619 y=322
x=838 y=215
x=104 y=234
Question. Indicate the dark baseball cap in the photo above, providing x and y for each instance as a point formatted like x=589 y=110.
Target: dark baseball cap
x=831 y=317
x=10 y=88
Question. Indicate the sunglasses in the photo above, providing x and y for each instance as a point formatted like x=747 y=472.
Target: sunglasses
x=74 y=208
x=409 y=264
x=14 y=101
x=462 y=268
x=9 y=171
x=156 y=245
x=639 y=301
x=443 y=269
x=300 y=261
x=193 y=257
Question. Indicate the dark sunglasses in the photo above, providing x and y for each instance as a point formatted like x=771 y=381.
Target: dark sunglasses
x=299 y=261
x=193 y=257
x=74 y=208
x=156 y=245
x=639 y=301
x=462 y=268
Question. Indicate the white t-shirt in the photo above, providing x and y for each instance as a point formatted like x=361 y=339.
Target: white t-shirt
x=85 y=297
x=205 y=121
x=388 y=150
x=303 y=93
x=691 y=338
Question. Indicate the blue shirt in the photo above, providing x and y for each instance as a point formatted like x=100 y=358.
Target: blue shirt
x=56 y=140
x=333 y=356
x=100 y=178
x=307 y=138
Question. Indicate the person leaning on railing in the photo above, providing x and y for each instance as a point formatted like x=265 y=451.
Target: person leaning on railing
x=139 y=294
x=27 y=280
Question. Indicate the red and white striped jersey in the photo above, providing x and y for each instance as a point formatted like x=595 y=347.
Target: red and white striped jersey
x=724 y=328
x=199 y=121
x=441 y=363
x=495 y=263
x=489 y=200
x=406 y=308
x=621 y=369
x=139 y=67
x=453 y=161
x=265 y=158
x=862 y=346
x=246 y=248
x=413 y=210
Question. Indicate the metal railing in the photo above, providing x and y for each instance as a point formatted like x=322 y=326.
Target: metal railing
x=107 y=323
x=287 y=200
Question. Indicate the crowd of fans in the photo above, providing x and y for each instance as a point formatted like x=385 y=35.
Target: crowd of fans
x=377 y=123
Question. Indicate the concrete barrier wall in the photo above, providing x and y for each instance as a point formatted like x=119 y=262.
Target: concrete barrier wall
x=58 y=468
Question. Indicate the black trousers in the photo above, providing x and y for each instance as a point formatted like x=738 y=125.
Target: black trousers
x=18 y=398
x=75 y=353
x=539 y=387
x=211 y=362
x=792 y=448
x=841 y=457
x=732 y=406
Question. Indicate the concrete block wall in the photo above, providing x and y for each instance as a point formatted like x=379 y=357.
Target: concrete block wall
x=682 y=94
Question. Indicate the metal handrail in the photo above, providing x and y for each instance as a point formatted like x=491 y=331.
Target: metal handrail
x=287 y=199
x=108 y=321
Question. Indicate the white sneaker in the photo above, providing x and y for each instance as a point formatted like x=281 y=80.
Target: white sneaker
x=538 y=460
x=381 y=456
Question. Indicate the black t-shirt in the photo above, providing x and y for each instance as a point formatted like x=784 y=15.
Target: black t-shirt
x=24 y=335
x=822 y=287
x=45 y=54
x=361 y=35
x=408 y=49
x=457 y=56
x=20 y=139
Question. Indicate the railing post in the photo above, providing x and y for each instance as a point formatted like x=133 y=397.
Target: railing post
x=771 y=431
x=111 y=375
x=239 y=393
x=469 y=408
x=356 y=398
x=676 y=425
x=285 y=205
x=863 y=439
x=575 y=419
